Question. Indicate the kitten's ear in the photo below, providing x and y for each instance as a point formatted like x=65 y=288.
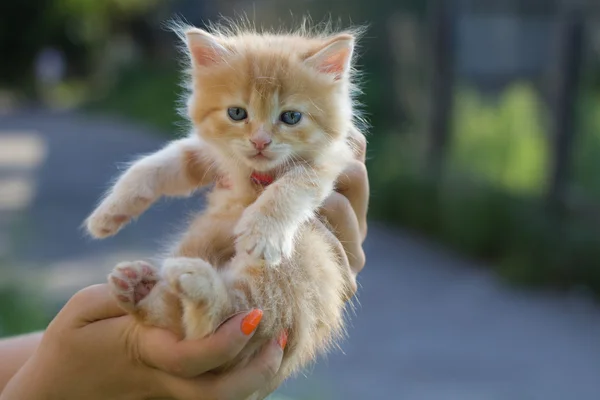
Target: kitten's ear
x=334 y=57
x=204 y=48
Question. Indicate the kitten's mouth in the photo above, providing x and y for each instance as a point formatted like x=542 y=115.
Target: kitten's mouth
x=261 y=160
x=260 y=156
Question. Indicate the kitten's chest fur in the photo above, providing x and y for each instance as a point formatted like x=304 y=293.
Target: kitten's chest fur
x=210 y=235
x=241 y=192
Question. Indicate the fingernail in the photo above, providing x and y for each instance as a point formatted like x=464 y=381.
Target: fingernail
x=282 y=340
x=251 y=321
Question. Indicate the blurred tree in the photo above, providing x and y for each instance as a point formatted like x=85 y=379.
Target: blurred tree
x=25 y=26
x=89 y=21
x=386 y=93
x=82 y=29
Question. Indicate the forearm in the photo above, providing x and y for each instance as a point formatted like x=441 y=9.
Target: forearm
x=296 y=196
x=14 y=352
x=176 y=170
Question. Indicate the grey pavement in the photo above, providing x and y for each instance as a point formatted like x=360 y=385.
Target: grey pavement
x=428 y=325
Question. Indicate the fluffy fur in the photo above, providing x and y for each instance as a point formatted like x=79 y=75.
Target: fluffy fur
x=253 y=246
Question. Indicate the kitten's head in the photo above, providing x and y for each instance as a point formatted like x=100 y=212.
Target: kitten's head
x=265 y=100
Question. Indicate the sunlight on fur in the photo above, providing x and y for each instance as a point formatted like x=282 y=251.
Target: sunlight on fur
x=274 y=123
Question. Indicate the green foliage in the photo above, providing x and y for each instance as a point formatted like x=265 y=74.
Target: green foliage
x=586 y=159
x=25 y=26
x=147 y=94
x=503 y=143
x=488 y=203
x=91 y=20
x=20 y=312
x=80 y=28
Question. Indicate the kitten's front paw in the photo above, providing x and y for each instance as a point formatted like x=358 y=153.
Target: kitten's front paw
x=102 y=225
x=110 y=217
x=131 y=282
x=260 y=238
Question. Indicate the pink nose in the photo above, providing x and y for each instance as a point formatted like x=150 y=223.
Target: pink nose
x=260 y=143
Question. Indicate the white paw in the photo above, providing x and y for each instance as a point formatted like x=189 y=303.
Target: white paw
x=131 y=282
x=260 y=238
x=101 y=225
x=111 y=216
x=194 y=279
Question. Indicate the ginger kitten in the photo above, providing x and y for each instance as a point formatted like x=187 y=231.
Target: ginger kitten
x=271 y=116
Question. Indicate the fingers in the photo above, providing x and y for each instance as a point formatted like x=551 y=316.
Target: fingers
x=161 y=349
x=346 y=209
x=342 y=220
x=353 y=183
x=258 y=376
x=91 y=304
x=359 y=144
x=337 y=246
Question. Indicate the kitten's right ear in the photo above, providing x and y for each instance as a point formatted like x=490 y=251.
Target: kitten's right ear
x=334 y=57
x=204 y=48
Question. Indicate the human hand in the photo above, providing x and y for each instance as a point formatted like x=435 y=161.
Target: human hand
x=93 y=350
x=346 y=209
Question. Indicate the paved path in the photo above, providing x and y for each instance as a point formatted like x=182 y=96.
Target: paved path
x=429 y=326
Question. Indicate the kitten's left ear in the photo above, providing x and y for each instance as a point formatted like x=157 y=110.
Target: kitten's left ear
x=334 y=57
x=204 y=48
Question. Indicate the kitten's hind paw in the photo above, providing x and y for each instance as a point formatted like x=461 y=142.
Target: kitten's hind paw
x=131 y=282
x=194 y=279
x=201 y=291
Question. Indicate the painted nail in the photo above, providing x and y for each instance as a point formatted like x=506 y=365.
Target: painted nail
x=251 y=321
x=282 y=340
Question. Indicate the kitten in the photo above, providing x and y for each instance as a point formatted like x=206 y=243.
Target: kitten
x=272 y=116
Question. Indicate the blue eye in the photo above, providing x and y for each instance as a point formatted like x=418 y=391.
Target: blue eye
x=290 y=117
x=237 y=113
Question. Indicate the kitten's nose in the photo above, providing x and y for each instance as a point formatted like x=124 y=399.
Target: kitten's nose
x=260 y=143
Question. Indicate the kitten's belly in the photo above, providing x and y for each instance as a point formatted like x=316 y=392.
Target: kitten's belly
x=229 y=201
x=310 y=309
x=210 y=235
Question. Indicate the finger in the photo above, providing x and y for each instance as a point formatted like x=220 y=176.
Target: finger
x=91 y=304
x=162 y=349
x=353 y=183
x=342 y=220
x=359 y=144
x=258 y=376
x=350 y=276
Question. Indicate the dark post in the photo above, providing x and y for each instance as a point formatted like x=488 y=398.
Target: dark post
x=441 y=85
x=570 y=47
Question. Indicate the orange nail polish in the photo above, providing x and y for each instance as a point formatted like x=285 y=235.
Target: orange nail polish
x=251 y=321
x=282 y=340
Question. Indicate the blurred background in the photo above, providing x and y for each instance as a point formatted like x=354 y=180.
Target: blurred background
x=483 y=255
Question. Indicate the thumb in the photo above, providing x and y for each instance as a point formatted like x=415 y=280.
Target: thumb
x=91 y=304
x=189 y=358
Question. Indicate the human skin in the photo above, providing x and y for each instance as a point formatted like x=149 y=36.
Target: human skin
x=94 y=350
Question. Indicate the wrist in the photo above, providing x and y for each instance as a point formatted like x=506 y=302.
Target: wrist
x=14 y=353
x=28 y=383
